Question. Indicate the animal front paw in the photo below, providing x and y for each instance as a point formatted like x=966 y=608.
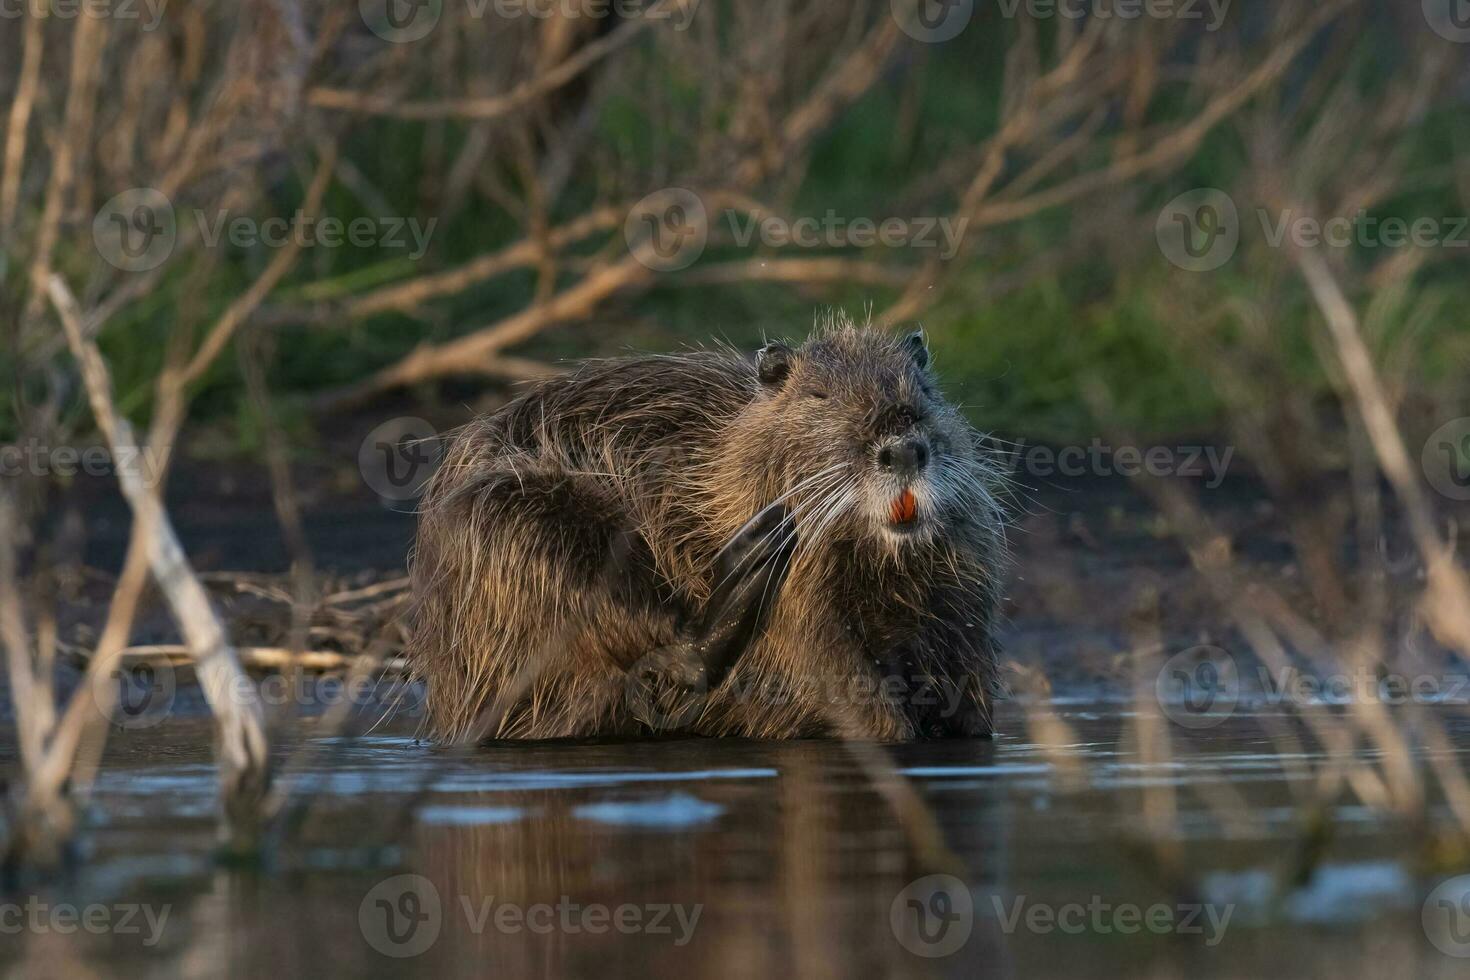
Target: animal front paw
x=666 y=689
x=749 y=572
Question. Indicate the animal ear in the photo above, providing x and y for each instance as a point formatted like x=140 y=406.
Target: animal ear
x=773 y=362
x=918 y=347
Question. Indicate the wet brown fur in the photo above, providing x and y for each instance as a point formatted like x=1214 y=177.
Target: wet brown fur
x=569 y=534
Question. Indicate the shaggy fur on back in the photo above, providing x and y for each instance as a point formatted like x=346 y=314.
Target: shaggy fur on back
x=569 y=534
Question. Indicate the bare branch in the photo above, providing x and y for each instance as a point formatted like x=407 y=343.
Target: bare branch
x=244 y=762
x=494 y=107
x=1448 y=602
x=20 y=119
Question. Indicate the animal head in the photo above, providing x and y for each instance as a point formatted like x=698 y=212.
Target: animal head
x=862 y=442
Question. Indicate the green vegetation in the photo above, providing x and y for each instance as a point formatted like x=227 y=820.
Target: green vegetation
x=1115 y=311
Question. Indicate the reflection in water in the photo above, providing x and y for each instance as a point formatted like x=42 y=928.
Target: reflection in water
x=725 y=858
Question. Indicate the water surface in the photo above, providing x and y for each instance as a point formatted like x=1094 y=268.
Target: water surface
x=690 y=857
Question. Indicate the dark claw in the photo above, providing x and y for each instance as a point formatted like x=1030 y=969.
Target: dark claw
x=668 y=684
x=751 y=569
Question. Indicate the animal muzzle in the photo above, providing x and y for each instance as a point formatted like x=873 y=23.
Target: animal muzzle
x=905 y=457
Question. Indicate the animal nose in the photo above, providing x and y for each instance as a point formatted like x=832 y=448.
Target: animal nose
x=908 y=456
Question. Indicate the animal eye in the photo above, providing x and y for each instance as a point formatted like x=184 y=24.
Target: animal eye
x=816 y=393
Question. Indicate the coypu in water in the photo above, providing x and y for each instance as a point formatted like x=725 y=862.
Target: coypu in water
x=587 y=562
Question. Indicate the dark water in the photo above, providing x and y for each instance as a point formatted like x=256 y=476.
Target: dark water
x=701 y=858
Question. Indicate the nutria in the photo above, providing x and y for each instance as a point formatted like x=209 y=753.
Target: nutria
x=587 y=562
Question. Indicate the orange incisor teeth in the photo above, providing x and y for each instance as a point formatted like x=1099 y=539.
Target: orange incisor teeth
x=904 y=508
